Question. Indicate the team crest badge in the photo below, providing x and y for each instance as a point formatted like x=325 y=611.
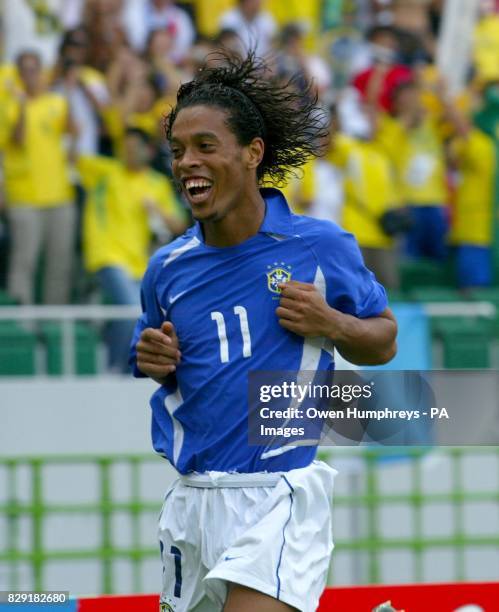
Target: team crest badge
x=165 y=607
x=279 y=272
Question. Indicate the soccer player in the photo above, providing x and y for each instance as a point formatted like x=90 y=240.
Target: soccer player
x=246 y=528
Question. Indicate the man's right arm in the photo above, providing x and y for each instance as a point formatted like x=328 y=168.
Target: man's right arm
x=154 y=350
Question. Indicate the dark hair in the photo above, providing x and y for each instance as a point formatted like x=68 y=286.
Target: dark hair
x=70 y=38
x=290 y=32
x=289 y=121
x=144 y=136
x=380 y=30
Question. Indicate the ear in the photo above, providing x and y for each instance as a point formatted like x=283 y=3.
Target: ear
x=254 y=153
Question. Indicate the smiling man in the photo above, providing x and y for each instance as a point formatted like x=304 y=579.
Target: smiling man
x=250 y=287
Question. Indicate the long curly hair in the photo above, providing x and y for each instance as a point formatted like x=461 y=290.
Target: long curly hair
x=289 y=121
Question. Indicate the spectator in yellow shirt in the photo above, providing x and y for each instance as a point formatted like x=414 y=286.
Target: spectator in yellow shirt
x=38 y=192
x=126 y=201
x=413 y=143
x=369 y=193
x=473 y=227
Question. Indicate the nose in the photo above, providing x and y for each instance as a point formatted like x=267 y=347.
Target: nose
x=189 y=159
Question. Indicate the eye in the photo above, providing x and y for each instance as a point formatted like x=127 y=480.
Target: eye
x=206 y=146
x=176 y=152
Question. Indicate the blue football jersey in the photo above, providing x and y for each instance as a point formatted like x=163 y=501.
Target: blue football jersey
x=222 y=302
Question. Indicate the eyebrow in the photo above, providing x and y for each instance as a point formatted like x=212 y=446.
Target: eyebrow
x=199 y=136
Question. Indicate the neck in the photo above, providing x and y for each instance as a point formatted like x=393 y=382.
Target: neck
x=134 y=167
x=238 y=225
x=33 y=92
x=248 y=16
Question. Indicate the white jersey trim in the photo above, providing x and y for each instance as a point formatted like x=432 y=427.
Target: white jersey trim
x=172 y=402
x=311 y=356
x=193 y=243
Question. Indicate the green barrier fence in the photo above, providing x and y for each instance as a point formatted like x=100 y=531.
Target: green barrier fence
x=368 y=497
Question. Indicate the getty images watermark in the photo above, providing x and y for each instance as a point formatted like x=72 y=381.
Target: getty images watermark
x=364 y=407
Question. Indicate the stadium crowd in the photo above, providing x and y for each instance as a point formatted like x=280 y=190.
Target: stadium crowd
x=410 y=167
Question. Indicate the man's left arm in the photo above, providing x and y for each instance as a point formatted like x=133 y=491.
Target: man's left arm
x=362 y=341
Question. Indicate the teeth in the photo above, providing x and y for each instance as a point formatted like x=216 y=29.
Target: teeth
x=192 y=183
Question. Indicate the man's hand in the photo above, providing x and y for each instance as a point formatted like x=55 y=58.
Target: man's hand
x=303 y=310
x=369 y=341
x=174 y=223
x=158 y=352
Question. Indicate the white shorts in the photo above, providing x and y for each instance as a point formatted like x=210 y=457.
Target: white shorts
x=269 y=532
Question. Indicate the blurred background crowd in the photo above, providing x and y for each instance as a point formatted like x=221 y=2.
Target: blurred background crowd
x=411 y=167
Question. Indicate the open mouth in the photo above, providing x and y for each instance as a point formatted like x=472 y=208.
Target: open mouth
x=198 y=189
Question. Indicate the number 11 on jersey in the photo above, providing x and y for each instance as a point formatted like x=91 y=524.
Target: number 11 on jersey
x=242 y=314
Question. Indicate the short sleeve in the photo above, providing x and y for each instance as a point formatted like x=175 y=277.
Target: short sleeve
x=92 y=168
x=350 y=287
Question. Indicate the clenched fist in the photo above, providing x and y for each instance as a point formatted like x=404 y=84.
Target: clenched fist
x=158 y=352
x=304 y=311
